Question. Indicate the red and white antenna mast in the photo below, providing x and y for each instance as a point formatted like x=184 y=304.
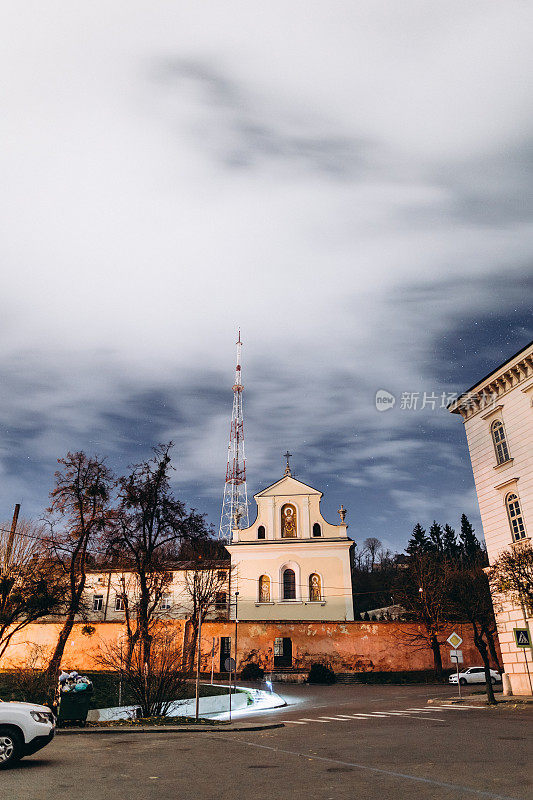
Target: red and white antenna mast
x=235 y=503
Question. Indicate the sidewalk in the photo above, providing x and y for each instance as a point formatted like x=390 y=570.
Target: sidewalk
x=221 y=727
x=481 y=700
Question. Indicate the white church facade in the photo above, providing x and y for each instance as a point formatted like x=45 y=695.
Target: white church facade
x=291 y=564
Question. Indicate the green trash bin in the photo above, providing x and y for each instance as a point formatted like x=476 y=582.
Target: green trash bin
x=74 y=706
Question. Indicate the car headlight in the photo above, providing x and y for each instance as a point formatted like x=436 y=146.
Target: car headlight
x=42 y=716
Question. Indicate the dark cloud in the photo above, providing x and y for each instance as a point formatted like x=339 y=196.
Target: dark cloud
x=352 y=189
x=244 y=131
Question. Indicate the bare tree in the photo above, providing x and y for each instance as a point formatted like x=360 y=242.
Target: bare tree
x=468 y=597
x=206 y=587
x=373 y=547
x=27 y=676
x=80 y=511
x=149 y=524
x=154 y=683
x=31 y=587
x=422 y=591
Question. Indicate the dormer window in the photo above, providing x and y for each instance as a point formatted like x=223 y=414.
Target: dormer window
x=499 y=440
x=261 y=533
x=317 y=530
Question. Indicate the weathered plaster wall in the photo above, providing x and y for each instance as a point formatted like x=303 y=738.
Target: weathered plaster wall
x=346 y=646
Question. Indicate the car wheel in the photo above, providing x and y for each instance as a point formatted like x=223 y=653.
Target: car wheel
x=492 y=679
x=11 y=746
x=463 y=681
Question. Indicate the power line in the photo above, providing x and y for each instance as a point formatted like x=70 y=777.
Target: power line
x=254 y=580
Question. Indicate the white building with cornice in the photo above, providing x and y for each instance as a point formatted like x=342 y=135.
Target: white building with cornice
x=291 y=564
x=498 y=417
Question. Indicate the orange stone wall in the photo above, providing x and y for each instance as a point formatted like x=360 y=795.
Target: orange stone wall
x=345 y=646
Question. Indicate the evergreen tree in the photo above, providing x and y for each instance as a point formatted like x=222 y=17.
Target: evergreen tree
x=435 y=536
x=449 y=543
x=419 y=542
x=471 y=551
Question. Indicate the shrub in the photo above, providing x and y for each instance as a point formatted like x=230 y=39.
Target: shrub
x=320 y=673
x=252 y=672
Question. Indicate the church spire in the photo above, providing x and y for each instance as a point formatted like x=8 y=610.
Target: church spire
x=288 y=472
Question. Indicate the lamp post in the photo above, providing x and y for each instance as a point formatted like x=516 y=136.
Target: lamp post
x=198 y=645
x=236 y=629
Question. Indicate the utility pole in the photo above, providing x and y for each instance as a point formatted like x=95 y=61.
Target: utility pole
x=11 y=538
x=235 y=502
x=236 y=629
x=198 y=644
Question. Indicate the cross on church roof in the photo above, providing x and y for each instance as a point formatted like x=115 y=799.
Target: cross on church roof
x=287 y=455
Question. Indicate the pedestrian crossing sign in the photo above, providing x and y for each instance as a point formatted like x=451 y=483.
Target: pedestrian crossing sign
x=522 y=637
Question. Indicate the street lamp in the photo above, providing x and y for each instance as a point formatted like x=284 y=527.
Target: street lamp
x=198 y=647
x=236 y=629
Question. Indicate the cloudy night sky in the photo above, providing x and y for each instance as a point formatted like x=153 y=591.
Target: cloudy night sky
x=348 y=182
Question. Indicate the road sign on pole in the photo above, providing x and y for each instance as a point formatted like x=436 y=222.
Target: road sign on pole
x=522 y=637
x=454 y=640
x=456 y=656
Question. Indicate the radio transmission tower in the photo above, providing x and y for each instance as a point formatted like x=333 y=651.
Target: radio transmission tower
x=235 y=502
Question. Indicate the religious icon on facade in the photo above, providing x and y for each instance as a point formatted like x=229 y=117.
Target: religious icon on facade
x=315 y=591
x=288 y=521
x=264 y=589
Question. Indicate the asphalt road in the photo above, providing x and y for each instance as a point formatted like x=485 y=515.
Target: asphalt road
x=371 y=742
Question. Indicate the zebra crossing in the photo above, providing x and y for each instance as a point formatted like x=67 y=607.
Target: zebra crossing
x=408 y=713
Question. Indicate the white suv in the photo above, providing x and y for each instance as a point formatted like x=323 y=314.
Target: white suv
x=475 y=675
x=24 y=729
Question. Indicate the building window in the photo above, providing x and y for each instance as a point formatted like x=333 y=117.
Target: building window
x=165 y=603
x=221 y=601
x=264 y=589
x=500 y=441
x=289 y=585
x=225 y=652
x=98 y=602
x=288 y=521
x=119 y=602
x=261 y=532
x=317 y=531
x=221 y=575
x=315 y=588
x=516 y=521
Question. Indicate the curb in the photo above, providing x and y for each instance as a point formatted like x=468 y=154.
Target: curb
x=166 y=729
x=481 y=703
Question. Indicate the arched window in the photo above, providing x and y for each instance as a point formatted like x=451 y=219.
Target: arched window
x=264 y=589
x=289 y=585
x=516 y=520
x=315 y=588
x=261 y=532
x=500 y=441
x=288 y=521
x=317 y=531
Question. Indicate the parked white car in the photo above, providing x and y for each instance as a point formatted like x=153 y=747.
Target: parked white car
x=475 y=675
x=24 y=729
